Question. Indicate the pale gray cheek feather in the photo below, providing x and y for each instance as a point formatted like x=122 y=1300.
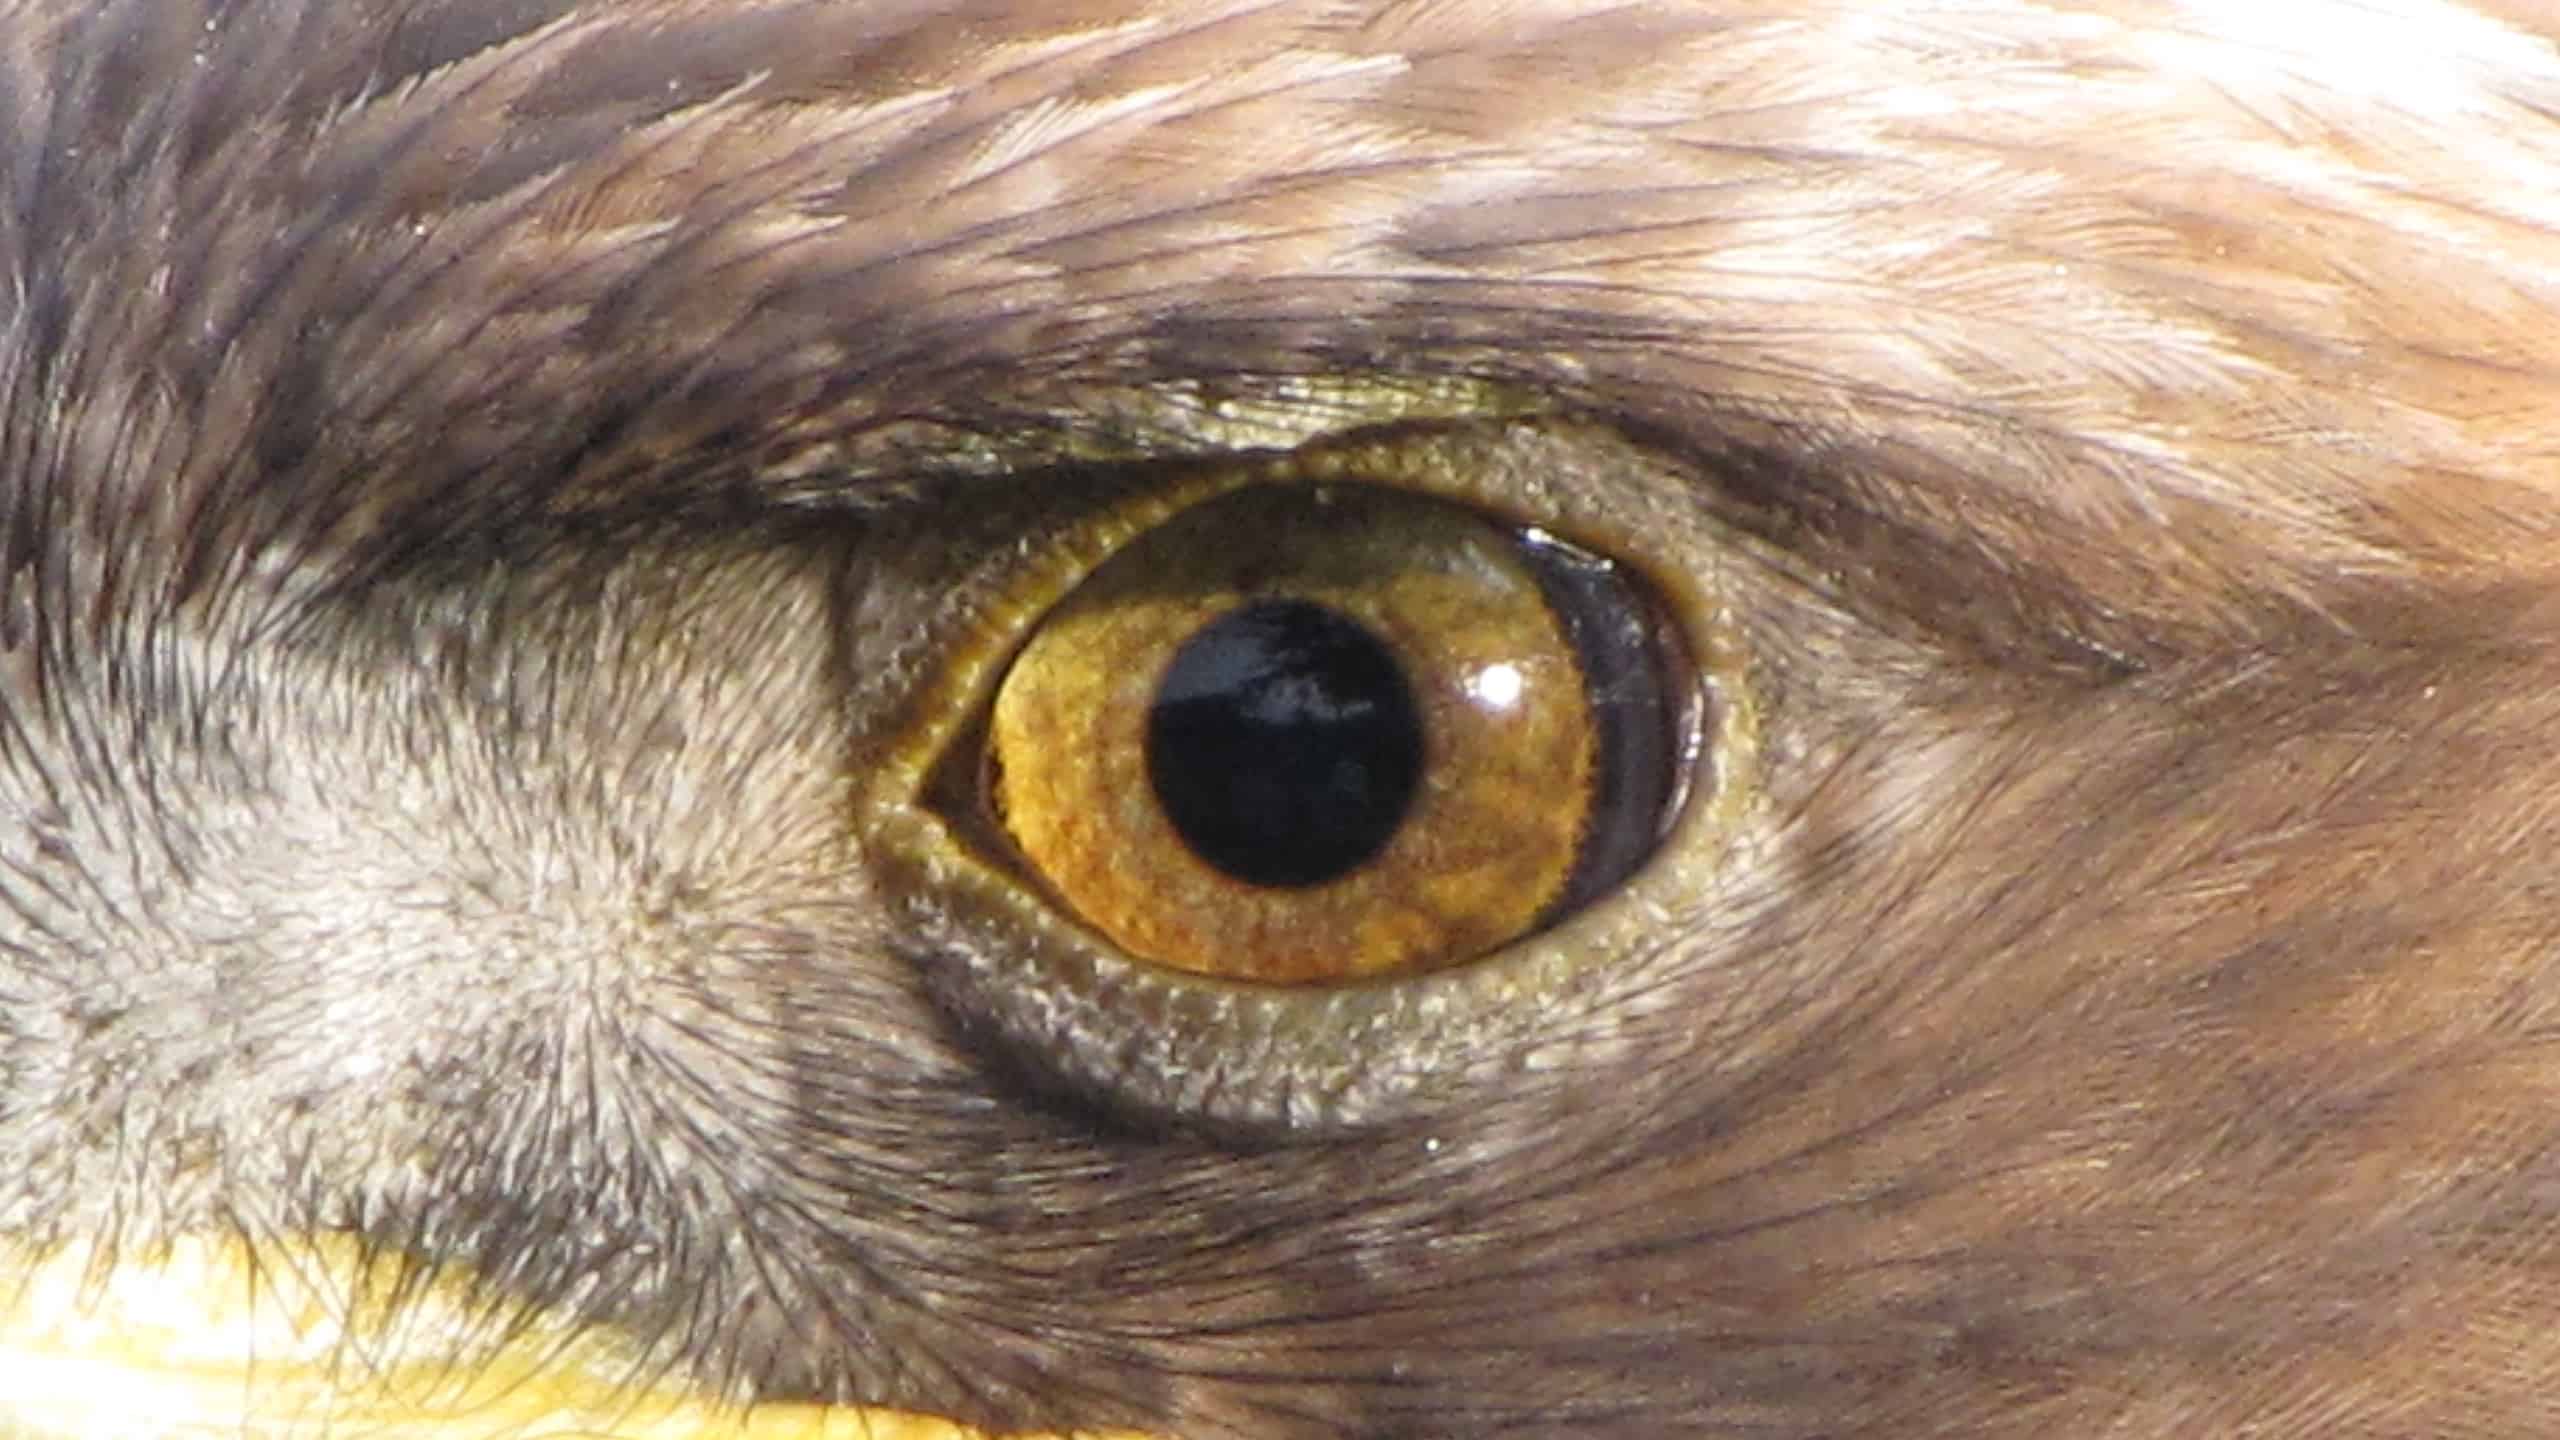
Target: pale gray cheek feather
x=445 y=459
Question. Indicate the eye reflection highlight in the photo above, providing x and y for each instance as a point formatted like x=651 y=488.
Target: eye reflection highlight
x=1497 y=687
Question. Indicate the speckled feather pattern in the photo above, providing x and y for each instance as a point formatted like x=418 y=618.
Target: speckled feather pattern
x=1845 y=210
x=2165 y=1053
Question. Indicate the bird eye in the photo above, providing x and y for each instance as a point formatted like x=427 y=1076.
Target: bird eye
x=1312 y=733
x=1315 y=790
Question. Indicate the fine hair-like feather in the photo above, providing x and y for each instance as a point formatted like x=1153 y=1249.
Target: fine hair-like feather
x=476 y=479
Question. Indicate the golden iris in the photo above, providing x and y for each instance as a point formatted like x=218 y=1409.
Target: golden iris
x=1299 y=734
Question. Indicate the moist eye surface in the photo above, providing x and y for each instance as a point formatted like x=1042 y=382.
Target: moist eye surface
x=1300 y=734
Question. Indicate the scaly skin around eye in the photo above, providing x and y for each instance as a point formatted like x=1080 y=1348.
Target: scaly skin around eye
x=1550 y=974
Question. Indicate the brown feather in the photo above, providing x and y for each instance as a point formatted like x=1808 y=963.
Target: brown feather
x=475 y=479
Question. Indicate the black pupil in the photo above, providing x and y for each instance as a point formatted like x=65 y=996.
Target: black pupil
x=1284 y=744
